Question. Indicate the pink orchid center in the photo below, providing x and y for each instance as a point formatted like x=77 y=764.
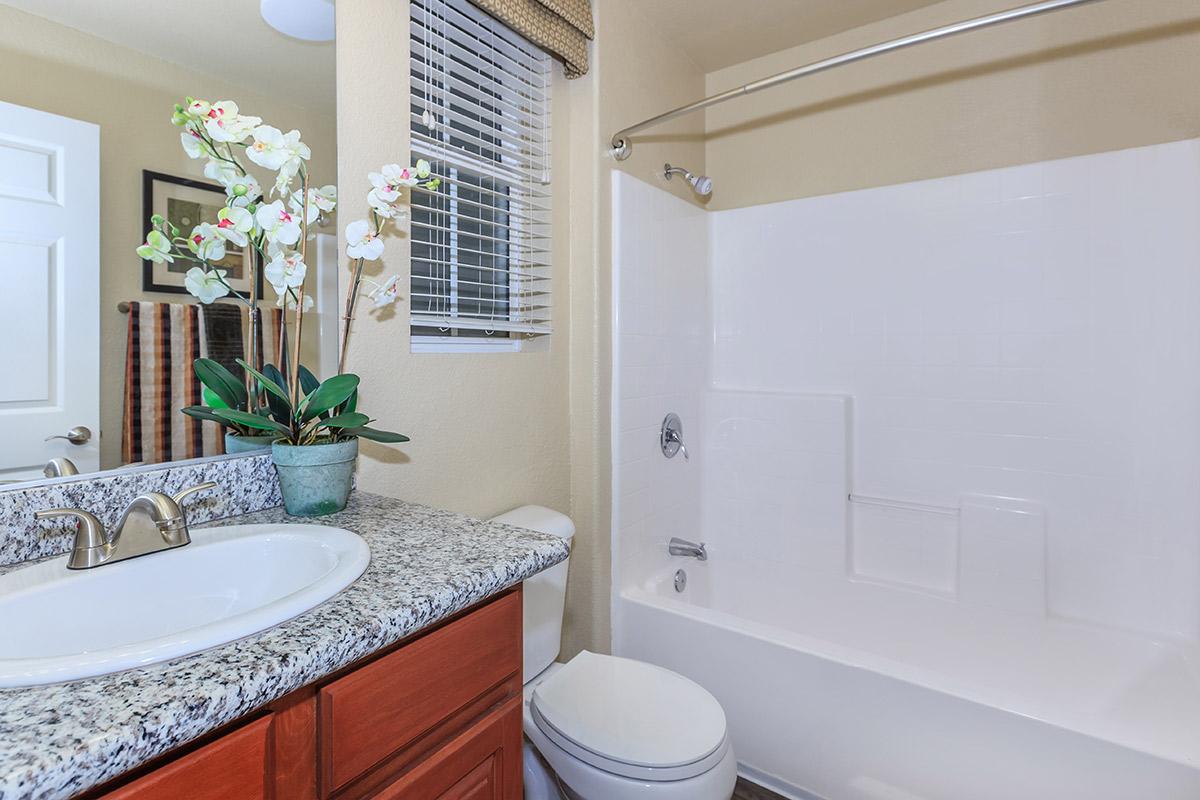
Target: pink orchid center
x=225 y=223
x=285 y=216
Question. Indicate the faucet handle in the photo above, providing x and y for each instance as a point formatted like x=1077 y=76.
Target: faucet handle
x=178 y=497
x=90 y=531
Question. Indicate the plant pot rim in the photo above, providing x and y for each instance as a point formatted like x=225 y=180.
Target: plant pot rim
x=289 y=445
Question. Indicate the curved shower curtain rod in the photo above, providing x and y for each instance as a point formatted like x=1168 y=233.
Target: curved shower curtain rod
x=621 y=146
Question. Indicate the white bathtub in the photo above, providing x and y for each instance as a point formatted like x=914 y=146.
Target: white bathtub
x=848 y=690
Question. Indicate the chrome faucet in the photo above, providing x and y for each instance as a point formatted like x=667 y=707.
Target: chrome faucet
x=670 y=437
x=60 y=467
x=152 y=522
x=682 y=547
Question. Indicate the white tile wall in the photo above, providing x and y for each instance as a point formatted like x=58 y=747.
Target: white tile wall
x=1031 y=333
x=1028 y=333
x=662 y=354
x=776 y=478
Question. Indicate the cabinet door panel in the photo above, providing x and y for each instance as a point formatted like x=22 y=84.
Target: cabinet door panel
x=380 y=709
x=233 y=766
x=481 y=763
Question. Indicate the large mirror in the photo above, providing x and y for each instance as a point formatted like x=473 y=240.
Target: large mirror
x=96 y=344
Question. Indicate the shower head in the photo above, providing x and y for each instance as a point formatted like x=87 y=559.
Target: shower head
x=701 y=184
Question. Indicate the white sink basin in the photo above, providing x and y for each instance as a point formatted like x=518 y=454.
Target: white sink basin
x=58 y=624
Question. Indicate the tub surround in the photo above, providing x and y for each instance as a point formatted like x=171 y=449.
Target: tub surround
x=246 y=484
x=426 y=564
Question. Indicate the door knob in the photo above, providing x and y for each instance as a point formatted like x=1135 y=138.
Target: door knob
x=77 y=435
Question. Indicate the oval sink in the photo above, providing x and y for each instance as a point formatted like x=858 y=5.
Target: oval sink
x=230 y=582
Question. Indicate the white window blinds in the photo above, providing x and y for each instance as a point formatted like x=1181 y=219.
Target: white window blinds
x=481 y=115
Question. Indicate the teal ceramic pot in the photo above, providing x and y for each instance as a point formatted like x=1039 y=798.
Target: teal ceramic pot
x=247 y=444
x=315 y=479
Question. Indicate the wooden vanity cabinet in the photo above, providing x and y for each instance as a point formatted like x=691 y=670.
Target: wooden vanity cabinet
x=435 y=717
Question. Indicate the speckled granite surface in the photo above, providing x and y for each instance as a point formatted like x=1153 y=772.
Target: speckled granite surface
x=247 y=483
x=426 y=564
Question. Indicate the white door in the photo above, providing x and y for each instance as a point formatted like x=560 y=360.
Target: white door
x=49 y=290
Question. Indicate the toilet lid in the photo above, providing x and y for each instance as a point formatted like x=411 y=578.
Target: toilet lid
x=637 y=719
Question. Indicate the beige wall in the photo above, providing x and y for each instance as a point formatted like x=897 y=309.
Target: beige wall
x=489 y=430
x=492 y=431
x=129 y=95
x=1090 y=79
x=635 y=73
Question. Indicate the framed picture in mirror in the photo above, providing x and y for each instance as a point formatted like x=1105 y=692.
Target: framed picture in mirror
x=186 y=203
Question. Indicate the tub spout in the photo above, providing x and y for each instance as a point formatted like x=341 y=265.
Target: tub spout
x=682 y=547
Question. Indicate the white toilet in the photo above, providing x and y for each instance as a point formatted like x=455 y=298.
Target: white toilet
x=607 y=728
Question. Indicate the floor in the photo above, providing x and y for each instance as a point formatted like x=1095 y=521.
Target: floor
x=745 y=790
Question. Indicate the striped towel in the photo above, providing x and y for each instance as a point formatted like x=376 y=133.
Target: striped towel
x=163 y=341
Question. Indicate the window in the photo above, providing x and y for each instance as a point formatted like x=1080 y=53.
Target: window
x=481 y=242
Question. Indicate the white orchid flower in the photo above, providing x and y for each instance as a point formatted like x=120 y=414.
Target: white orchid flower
x=225 y=124
x=206 y=286
x=157 y=248
x=291 y=301
x=206 y=243
x=283 y=180
x=362 y=242
x=380 y=206
x=279 y=226
x=324 y=198
x=296 y=204
x=222 y=172
x=386 y=293
x=243 y=192
x=194 y=145
x=285 y=271
x=391 y=180
x=233 y=225
x=272 y=149
x=198 y=108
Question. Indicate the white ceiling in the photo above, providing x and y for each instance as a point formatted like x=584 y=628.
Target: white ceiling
x=720 y=33
x=224 y=38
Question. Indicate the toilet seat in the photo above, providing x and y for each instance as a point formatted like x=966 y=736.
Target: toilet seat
x=630 y=718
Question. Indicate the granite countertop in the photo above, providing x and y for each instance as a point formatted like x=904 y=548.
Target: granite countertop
x=426 y=564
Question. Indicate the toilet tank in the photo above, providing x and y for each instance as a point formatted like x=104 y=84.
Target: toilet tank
x=545 y=592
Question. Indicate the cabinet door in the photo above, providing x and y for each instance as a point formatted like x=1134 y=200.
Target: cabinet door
x=369 y=716
x=233 y=766
x=481 y=763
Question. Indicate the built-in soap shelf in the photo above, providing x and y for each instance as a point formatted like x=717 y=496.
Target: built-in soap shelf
x=987 y=550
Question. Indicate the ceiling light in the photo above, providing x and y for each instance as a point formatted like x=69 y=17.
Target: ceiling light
x=310 y=20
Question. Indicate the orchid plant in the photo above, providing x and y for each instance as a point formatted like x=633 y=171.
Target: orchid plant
x=275 y=228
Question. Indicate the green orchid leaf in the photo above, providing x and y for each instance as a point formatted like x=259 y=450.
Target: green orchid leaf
x=280 y=409
x=251 y=420
x=211 y=398
x=330 y=393
x=351 y=420
x=204 y=413
x=308 y=381
x=375 y=435
x=224 y=383
x=277 y=389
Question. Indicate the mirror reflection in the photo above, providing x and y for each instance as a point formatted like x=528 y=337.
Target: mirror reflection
x=97 y=344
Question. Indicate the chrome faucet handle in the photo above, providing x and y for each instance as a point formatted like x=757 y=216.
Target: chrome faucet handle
x=670 y=437
x=178 y=516
x=92 y=545
x=179 y=496
x=90 y=531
